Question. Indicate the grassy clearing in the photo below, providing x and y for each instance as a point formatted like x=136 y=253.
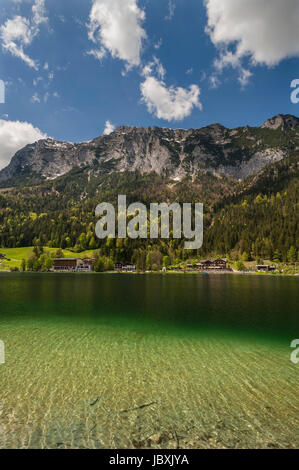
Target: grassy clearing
x=15 y=255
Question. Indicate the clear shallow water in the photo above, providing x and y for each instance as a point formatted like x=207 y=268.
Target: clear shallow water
x=123 y=361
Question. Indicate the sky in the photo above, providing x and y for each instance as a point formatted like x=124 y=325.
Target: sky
x=77 y=69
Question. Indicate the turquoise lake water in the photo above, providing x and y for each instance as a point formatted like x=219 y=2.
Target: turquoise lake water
x=136 y=361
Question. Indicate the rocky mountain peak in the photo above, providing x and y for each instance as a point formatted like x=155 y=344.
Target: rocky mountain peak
x=175 y=153
x=286 y=121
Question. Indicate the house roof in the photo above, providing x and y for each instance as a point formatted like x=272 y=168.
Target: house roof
x=213 y=261
x=65 y=259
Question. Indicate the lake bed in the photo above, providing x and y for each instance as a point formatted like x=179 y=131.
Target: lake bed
x=116 y=361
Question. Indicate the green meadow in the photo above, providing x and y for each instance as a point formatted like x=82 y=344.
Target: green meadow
x=16 y=255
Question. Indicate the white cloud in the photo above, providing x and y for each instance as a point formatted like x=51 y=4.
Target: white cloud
x=14 y=135
x=158 y=44
x=15 y=34
x=171 y=104
x=19 y=32
x=264 y=31
x=37 y=80
x=39 y=12
x=171 y=10
x=98 y=54
x=154 y=66
x=116 y=27
x=35 y=98
x=109 y=127
x=244 y=76
x=214 y=81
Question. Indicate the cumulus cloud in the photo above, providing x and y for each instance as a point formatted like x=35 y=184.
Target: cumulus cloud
x=264 y=31
x=18 y=33
x=171 y=104
x=14 y=135
x=15 y=35
x=115 y=26
x=109 y=127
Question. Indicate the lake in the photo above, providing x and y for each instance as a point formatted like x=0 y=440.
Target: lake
x=137 y=361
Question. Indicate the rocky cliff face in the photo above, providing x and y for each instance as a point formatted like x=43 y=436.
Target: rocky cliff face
x=237 y=153
x=286 y=122
x=48 y=159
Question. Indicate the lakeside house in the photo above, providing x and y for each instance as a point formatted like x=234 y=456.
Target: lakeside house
x=208 y=264
x=86 y=264
x=125 y=268
x=193 y=267
x=217 y=264
x=118 y=267
x=64 y=264
x=264 y=268
x=73 y=264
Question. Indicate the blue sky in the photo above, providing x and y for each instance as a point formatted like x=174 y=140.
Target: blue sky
x=71 y=65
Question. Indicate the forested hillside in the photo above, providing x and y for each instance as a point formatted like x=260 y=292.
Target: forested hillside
x=255 y=218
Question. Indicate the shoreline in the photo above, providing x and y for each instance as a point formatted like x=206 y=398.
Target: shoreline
x=205 y=273
x=12 y=259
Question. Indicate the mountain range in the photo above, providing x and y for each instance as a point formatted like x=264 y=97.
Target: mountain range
x=247 y=178
x=236 y=153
